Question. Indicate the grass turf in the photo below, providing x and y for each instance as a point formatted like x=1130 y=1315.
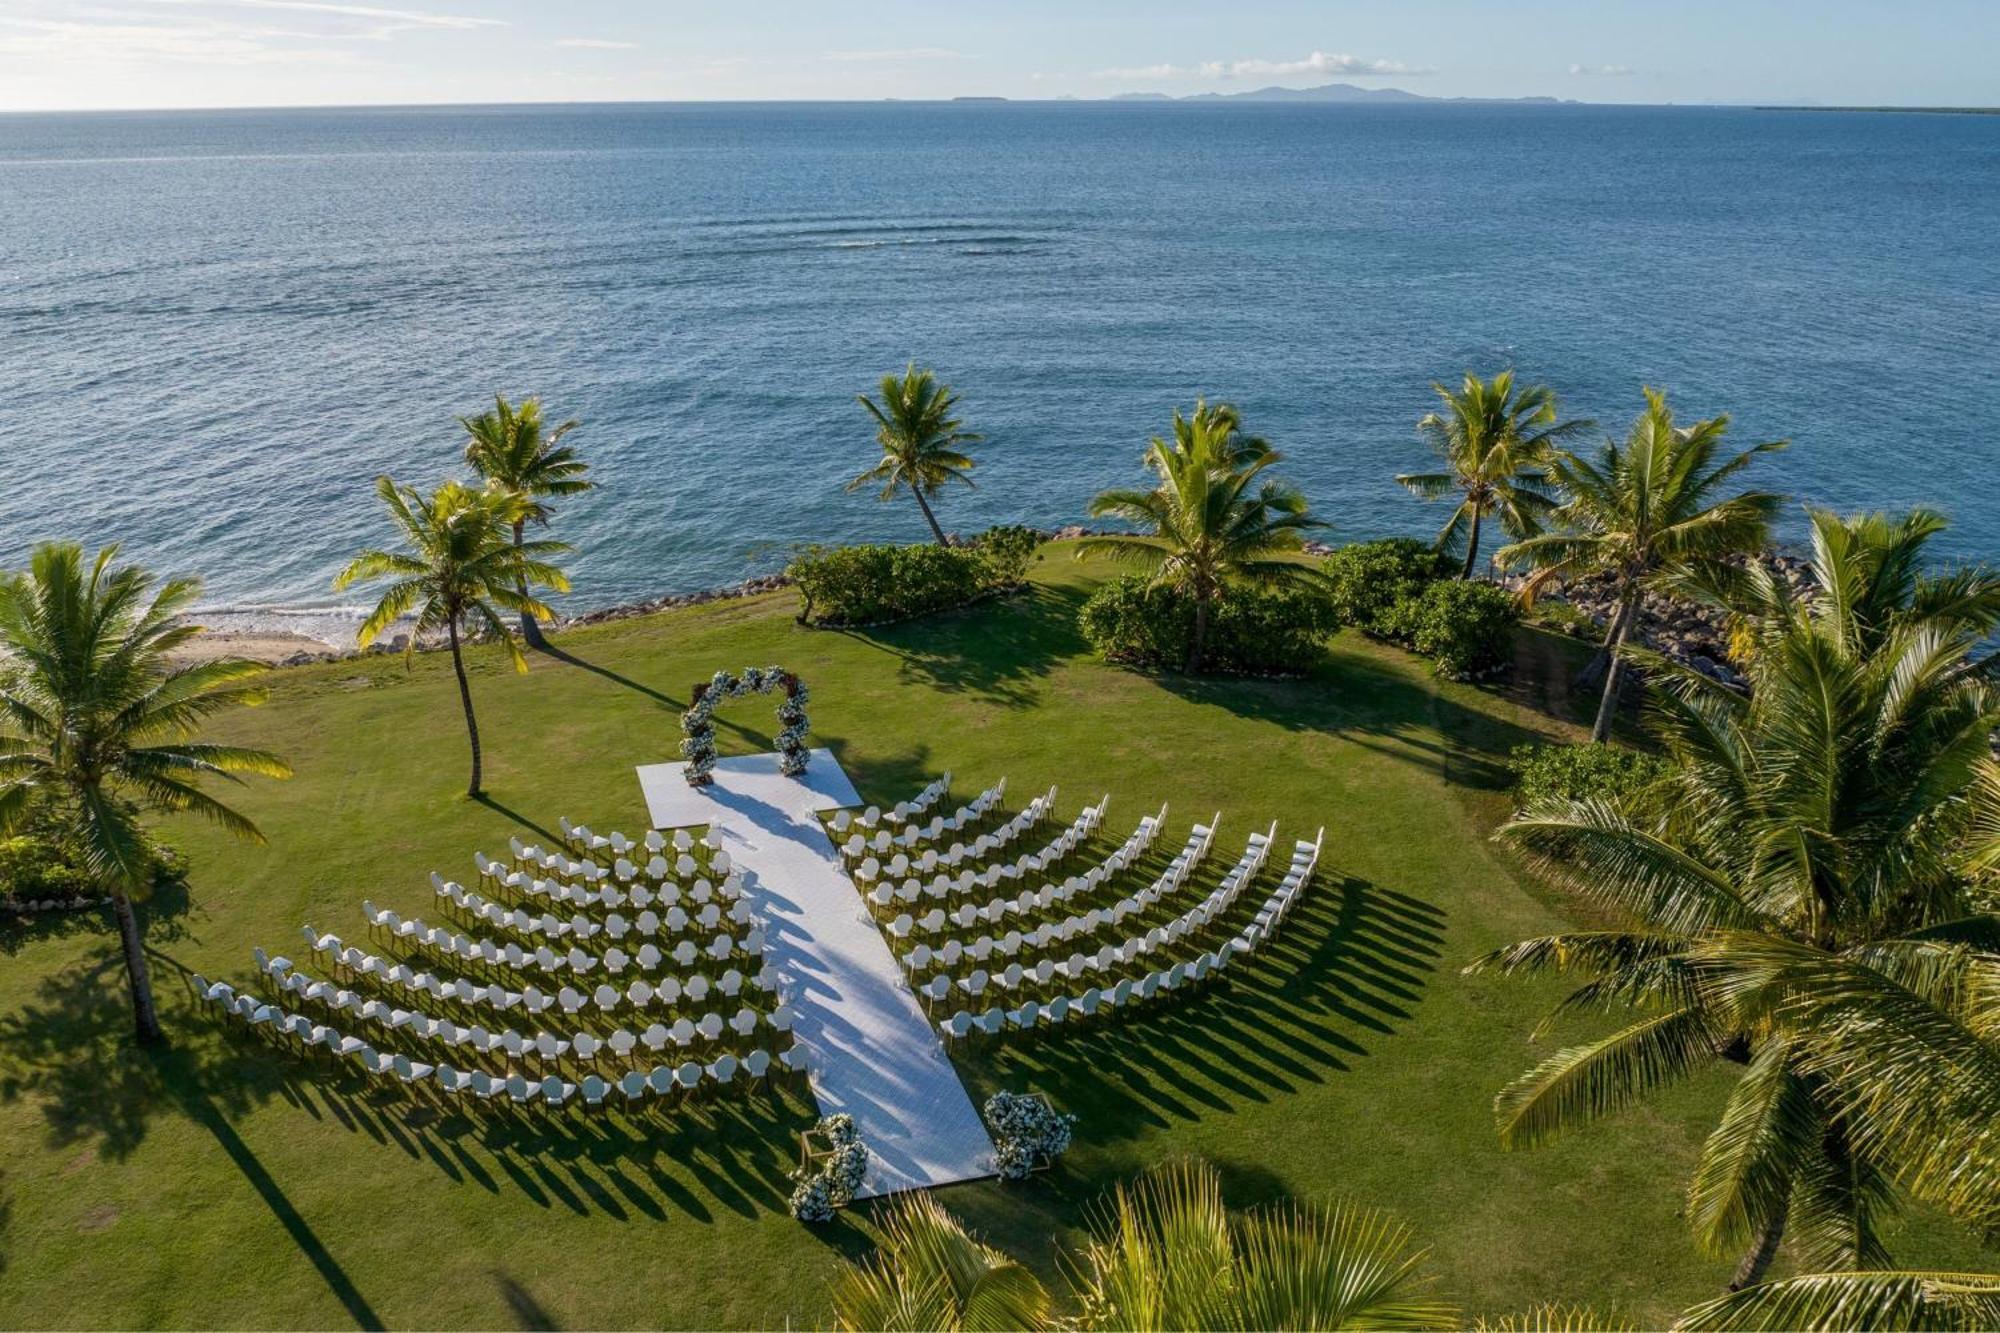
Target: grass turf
x=226 y=1183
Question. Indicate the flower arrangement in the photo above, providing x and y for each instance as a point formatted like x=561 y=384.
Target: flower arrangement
x=698 y=722
x=1027 y=1132
x=828 y=1184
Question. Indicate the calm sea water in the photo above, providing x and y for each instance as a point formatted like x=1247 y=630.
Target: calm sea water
x=216 y=327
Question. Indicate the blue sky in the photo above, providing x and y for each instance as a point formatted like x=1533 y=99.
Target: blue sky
x=142 y=53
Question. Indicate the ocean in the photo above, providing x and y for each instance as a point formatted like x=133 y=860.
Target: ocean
x=217 y=327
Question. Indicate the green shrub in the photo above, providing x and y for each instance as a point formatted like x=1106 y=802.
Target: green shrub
x=41 y=861
x=1249 y=631
x=1582 y=772
x=873 y=584
x=1465 y=628
x=1008 y=548
x=1368 y=580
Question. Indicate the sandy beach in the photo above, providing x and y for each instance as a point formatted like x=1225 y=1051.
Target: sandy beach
x=260 y=646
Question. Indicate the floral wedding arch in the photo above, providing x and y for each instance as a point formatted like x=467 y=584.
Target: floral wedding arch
x=698 y=722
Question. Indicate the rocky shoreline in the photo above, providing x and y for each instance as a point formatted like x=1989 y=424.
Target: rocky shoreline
x=1695 y=635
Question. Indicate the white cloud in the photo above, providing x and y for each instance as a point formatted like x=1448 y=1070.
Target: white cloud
x=594 y=44
x=198 y=32
x=909 y=53
x=1318 y=63
x=1584 y=71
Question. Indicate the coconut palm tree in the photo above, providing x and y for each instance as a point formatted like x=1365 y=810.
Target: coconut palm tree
x=1871 y=576
x=1637 y=510
x=1214 y=519
x=98 y=719
x=922 y=442
x=1164 y=1254
x=1837 y=1302
x=509 y=447
x=929 y=1273
x=1491 y=441
x=459 y=570
x=1796 y=905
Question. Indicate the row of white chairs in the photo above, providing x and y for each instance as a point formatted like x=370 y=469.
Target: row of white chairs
x=522 y=888
x=649 y=957
x=1305 y=860
x=911 y=834
x=883 y=897
x=947 y=953
x=1053 y=852
x=676 y=920
x=862 y=850
x=584 y=878
x=840 y=821
x=688 y=1078
x=682 y=1032
x=581 y=840
x=1063 y=1009
x=642 y=993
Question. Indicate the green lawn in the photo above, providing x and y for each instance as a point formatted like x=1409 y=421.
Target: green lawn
x=225 y=1183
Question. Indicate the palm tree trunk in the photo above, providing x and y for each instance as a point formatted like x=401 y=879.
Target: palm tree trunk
x=531 y=628
x=1751 y=1270
x=465 y=697
x=1200 y=639
x=1607 y=707
x=145 y=1016
x=1593 y=670
x=1471 y=546
x=929 y=517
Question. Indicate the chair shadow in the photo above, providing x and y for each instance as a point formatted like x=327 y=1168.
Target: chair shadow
x=568 y=658
x=1350 y=968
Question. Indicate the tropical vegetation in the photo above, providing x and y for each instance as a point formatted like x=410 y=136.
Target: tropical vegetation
x=1492 y=442
x=875 y=584
x=923 y=444
x=100 y=727
x=1797 y=903
x=510 y=448
x=1639 y=511
x=458 y=568
x=1163 y=1254
x=1212 y=521
x=1370 y=583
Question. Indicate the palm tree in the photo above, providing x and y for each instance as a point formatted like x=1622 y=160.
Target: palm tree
x=1491 y=441
x=507 y=446
x=460 y=569
x=1795 y=905
x=1635 y=511
x=922 y=442
x=97 y=718
x=1836 y=1302
x=1204 y=526
x=1165 y=1254
x=930 y=1274
x=1870 y=577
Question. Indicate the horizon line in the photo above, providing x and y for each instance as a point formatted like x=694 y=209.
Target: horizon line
x=981 y=99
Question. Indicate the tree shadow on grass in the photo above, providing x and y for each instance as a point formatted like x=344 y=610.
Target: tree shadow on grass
x=729 y=1153
x=1360 y=699
x=994 y=651
x=568 y=658
x=528 y=1312
x=70 y=1051
x=1350 y=967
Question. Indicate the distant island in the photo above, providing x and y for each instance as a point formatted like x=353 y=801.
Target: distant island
x=1330 y=92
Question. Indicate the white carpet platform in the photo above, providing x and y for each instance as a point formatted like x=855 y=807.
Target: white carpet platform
x=870 y=1050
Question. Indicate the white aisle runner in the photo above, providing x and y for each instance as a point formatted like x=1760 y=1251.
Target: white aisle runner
x=870 y=1049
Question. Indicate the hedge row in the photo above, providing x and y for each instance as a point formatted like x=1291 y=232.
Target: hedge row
x=1249 y=631
x=874 y=584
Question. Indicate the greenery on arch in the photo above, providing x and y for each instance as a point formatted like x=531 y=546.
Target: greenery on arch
x=698 y=722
